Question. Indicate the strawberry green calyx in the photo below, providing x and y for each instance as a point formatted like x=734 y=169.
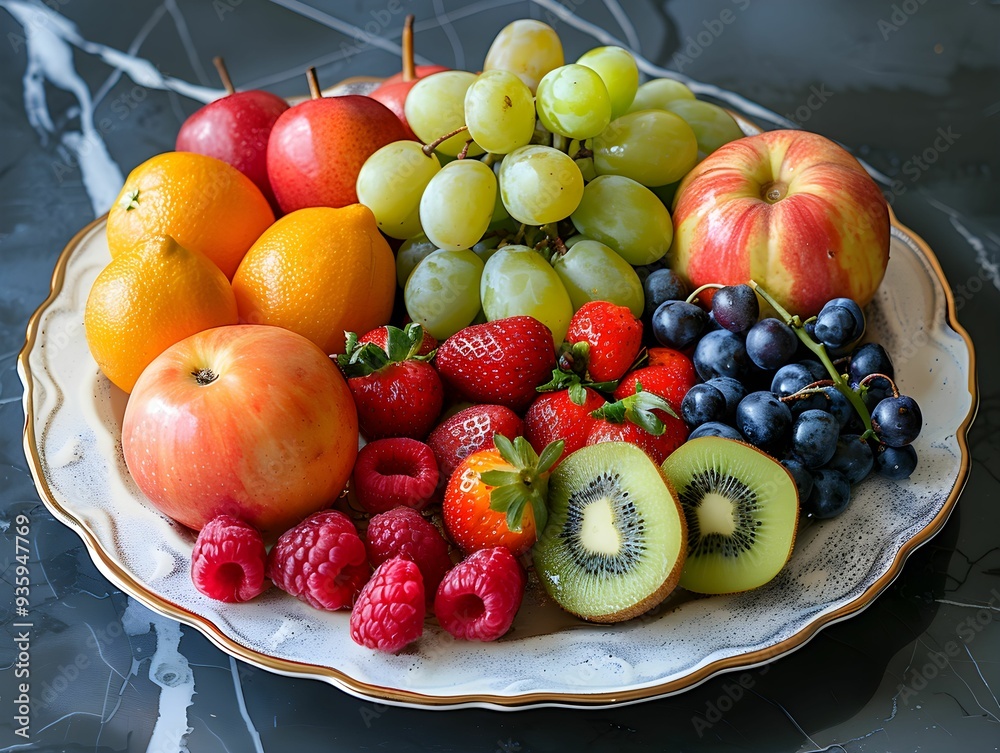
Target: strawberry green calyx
x=639 y=409
x=571 y=374
x=527 y=482
x=367 y=358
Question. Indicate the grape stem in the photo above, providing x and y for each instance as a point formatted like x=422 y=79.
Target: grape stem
x=429 y=148
x=820 y=350
x=465 y=150
x=582 y=153
x=694 y=296
x=895 y=390
x=816 y=388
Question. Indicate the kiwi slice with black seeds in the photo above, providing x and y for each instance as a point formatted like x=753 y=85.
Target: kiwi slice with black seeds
x=742 y=510
x=615 y=539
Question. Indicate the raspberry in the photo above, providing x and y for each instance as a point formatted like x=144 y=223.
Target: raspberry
x=479 y=597
x=404 y=532
x=321 y=561
x=390 y=610
x=228 y=560
x=397 y=472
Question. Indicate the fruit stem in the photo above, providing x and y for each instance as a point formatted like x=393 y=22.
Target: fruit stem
x=465 y=150
x=204 y=376
x=429 y=148
x=220 y=66
x=694 y=295
x=895 y=390
x=820 y=350
x=314 y=91
x=409 y=69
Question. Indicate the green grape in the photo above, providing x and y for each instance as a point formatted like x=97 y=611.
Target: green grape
x=587 y=169
x=574 y=239
x=619 y=72
x=517 y=281
x=653 y=147
x=655 y=94
x=443 y=291
x=500 y=112
x=391 y=183
x=540 y=184
x=573 y=101
x=529 y=49
x=457 y=205
x=435 y=106
x=410 y=254
x=627 y=217
x=712 y=125
x=590 y=271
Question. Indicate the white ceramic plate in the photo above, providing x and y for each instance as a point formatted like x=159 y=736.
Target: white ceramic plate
x=72 y=442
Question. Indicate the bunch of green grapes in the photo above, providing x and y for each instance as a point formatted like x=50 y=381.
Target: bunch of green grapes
x=539 y=185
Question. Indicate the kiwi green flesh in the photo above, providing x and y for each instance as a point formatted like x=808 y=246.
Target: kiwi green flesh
x=615 y=539
x=742 y=511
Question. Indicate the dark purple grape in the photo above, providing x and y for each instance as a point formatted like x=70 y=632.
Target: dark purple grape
x=839 y=323
x=839 y=406
x=646 y=270
x=895 y=462
x=678 y=324
x=869 y=358
x=736 y=308
x=702 y=404
x=791 y=378
x=712 y=325
x=853 y=458
x=814 y=437
x=803 y=478
x=763 y=419
x=771 y=343
x=733 y=390
x=830 y=496
x=662 y=285
x=815 y=368
x=812 y=401
x=715 y=429
x=897 y=420
x=876 y=390
x=720 y=353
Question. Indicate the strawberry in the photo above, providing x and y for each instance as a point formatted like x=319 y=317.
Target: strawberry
x=671 y=380
x=397 y=392
x=497 y=497
x=557 y=415
x=613 y=336
x=636 y=420
x=500 y=362
x=380 y=336
x=470 y=430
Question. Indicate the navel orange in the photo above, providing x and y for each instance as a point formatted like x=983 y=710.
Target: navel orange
x=205 y=204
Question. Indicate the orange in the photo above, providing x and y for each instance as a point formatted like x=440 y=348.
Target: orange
x=319 y=272
x=202 y=202
x=146 y=300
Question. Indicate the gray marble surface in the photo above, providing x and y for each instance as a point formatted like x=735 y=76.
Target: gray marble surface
x=89 y=89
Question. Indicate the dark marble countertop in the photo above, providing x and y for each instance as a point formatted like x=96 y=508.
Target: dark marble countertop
x=90 y=89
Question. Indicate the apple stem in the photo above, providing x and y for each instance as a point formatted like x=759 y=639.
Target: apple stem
x=204 y=376
x=429 y=148
x=220 y=66
x=409 y=69
x=314 y=91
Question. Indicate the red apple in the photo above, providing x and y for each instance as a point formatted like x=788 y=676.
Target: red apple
x=317 y=148
x=393 y=91
x=790 y=209
x=248 y=420
x=235 y=129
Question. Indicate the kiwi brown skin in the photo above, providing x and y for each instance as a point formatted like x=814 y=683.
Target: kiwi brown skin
x=668 y=586
x=795 y=528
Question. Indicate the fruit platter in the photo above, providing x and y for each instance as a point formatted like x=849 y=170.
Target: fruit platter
x=535 y=386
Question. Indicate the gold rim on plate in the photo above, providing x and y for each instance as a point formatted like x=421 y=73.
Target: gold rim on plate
x=124 y=580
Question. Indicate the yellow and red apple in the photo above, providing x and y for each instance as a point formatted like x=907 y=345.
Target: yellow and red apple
x=247 y=420
x=791 y=210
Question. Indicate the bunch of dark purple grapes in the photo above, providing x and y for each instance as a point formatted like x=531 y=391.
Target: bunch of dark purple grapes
x=803 y=391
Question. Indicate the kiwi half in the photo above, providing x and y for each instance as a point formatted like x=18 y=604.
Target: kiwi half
x=614 y=543
x=742 y=510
